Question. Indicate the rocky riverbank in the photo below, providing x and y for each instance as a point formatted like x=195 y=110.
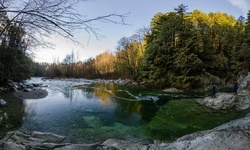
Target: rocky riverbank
x=31 y=94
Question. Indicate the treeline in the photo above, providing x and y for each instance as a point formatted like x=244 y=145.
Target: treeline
x=176 y=51
x=24 y=24
x=181 y=47
x=122 y=64
x=125 y=63
x=15 y=63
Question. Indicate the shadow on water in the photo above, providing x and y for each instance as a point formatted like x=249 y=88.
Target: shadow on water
x=11 y=116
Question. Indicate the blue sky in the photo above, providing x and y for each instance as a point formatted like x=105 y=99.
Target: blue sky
x=140 y=14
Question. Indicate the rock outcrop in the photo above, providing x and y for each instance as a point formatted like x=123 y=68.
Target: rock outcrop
x=16 y=140
x=230 y=101
x=227 y=101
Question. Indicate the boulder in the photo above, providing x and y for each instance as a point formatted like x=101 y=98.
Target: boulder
x=244 y=83
x=227 y=101
x=31 y=140
x=221 y=101
x=3 y=102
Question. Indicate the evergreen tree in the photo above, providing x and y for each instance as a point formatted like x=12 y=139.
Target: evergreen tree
x=181 y=46
x=245 y=53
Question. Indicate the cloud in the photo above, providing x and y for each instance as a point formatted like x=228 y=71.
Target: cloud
x=244 y=5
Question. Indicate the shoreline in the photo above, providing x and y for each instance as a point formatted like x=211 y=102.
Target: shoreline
x=37 y=93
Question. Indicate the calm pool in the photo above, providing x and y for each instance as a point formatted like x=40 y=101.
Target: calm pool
x=88 y=112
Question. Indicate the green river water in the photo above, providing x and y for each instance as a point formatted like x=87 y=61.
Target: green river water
x=88 y=112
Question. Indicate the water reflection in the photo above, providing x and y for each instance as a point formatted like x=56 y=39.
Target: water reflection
x=11 y=116
x=92 y=113
x=125 y=103
x=89 y=113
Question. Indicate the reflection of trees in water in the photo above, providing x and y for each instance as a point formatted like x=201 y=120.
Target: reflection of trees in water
x=125 y=108
x=69 y=94
x=11 y=116
x=88 y=93
x=29 y=118
x=146 y=109
x=102 y=92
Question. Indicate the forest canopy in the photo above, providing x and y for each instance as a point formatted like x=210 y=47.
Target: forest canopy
x=181 y=47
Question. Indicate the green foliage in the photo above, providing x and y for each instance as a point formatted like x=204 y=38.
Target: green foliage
x=178 y=51
x=180 y=47
x=245 y=51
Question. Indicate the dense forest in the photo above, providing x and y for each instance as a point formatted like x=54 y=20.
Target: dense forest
x=177 y=50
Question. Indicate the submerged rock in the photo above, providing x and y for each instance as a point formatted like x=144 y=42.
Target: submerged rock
x=232 y=135
x=3 y=102
x=172 y=90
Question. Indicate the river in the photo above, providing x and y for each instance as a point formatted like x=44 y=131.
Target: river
x=87 y=111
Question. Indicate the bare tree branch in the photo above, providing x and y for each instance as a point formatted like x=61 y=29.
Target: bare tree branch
x=46 y=17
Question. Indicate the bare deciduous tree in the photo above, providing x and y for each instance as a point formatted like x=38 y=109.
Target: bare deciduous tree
x=43 y=17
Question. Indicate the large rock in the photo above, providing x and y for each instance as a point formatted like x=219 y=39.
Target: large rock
x=227 y=101
x=244 y=83
x=3 y=102
x=221 y=101
x=31 y=140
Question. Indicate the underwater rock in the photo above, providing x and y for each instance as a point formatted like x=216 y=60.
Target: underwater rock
x=172 y=90
x=231 y=135
x=3 y=102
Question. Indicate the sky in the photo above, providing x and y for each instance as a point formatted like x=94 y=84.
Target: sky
x=139 y=14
